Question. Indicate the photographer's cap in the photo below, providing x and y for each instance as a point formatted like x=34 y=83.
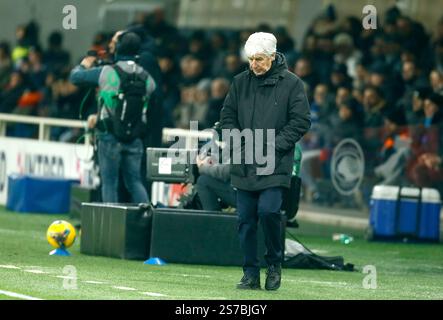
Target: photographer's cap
x=261 y=42
x=128 y=44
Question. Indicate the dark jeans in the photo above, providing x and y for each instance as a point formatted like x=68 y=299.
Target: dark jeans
x=210 y=190
x=252 y=206
x=113 y=155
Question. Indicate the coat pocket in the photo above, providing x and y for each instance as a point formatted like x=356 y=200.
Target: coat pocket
x=284 y=162
x=238 y=170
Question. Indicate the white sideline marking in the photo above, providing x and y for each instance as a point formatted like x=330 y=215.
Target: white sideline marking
x=328 y=283
x=154 y=294
x=124 y=288
x=93 y=282
x=66 y=277
x=17 y=295
x=190 y=275
x=9 y=267
x=35 y=271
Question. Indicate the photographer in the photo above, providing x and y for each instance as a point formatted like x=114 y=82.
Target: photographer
x=124 y=92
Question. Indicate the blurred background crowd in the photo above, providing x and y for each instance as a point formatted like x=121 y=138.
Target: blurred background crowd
x=382 y=87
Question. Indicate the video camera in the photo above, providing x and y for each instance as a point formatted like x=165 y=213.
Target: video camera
x=171 y=165
x=99 y=61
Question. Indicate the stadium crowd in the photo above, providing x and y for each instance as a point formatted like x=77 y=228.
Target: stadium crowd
x=383 y=87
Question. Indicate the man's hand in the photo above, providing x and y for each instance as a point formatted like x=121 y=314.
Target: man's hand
x=88 y=62
x=205 y=160
x=92 y=121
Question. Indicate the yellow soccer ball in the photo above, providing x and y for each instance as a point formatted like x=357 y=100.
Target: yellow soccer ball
x=61 y=234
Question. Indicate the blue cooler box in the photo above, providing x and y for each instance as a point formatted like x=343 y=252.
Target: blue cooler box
x=38 y=194
x=405 y=213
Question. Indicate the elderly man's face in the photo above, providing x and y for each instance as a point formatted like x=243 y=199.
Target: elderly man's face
x=260 y=63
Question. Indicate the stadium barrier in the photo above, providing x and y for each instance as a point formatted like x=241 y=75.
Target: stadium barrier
x=42 y=157
x=44 y=124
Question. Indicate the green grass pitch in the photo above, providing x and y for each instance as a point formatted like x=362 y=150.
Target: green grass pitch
x=403 y=271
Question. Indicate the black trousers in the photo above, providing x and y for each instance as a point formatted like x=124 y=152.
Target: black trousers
x=265 y=206
x=210 y=190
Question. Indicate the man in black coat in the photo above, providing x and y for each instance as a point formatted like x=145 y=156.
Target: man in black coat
x=270 y=98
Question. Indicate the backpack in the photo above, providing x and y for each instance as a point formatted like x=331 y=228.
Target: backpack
x=127 y=124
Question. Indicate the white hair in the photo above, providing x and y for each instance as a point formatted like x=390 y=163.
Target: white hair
x=261 y=42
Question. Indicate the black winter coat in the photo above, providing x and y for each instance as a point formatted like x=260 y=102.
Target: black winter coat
x=275 y=100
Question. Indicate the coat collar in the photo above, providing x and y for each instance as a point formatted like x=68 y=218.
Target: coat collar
x=277 y=71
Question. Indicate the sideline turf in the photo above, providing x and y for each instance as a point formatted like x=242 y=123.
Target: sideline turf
x=404 y=271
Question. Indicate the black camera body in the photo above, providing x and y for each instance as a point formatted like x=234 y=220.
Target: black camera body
x=171 y=165
x=98 y=62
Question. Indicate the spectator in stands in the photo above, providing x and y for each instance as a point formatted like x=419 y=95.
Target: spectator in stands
x=199 y=47
x=395 y=150
x=346 y=53
x=322 y=104
x=232 y=65
x=348 y=124
x=171 y=78
x=339 y=77
x=433 y=110
x=303 y=69
x=37 y=71
x=191 y=69
x=323 y=55
x=412 y=78
x=375 y=106
x=184 y=110
x=343 y=95
x=5 y=65
x=379 y=77
x=55 y=57
x=20 y=51
x=427 y=137
x=438 y=55
x=166 y=35
x=26 y=36
x=436 y=81
x=361 y=77
x=286 y=45
x=415 y=115
x=194 y=105
x=428 y=172
x=396 y=134
x=14 y=89
x=201 y=105
x=412 y=35
x=219 y=44
x=219 y=90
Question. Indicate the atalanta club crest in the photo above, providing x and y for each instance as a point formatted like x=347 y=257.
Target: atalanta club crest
x=347 y=166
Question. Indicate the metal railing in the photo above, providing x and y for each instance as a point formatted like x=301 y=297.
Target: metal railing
x=44 y=124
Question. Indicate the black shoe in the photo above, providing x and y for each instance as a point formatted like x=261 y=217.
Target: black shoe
x=249 y=283
x=273 y=277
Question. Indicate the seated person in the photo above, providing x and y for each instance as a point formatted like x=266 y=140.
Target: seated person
x=213 y=184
